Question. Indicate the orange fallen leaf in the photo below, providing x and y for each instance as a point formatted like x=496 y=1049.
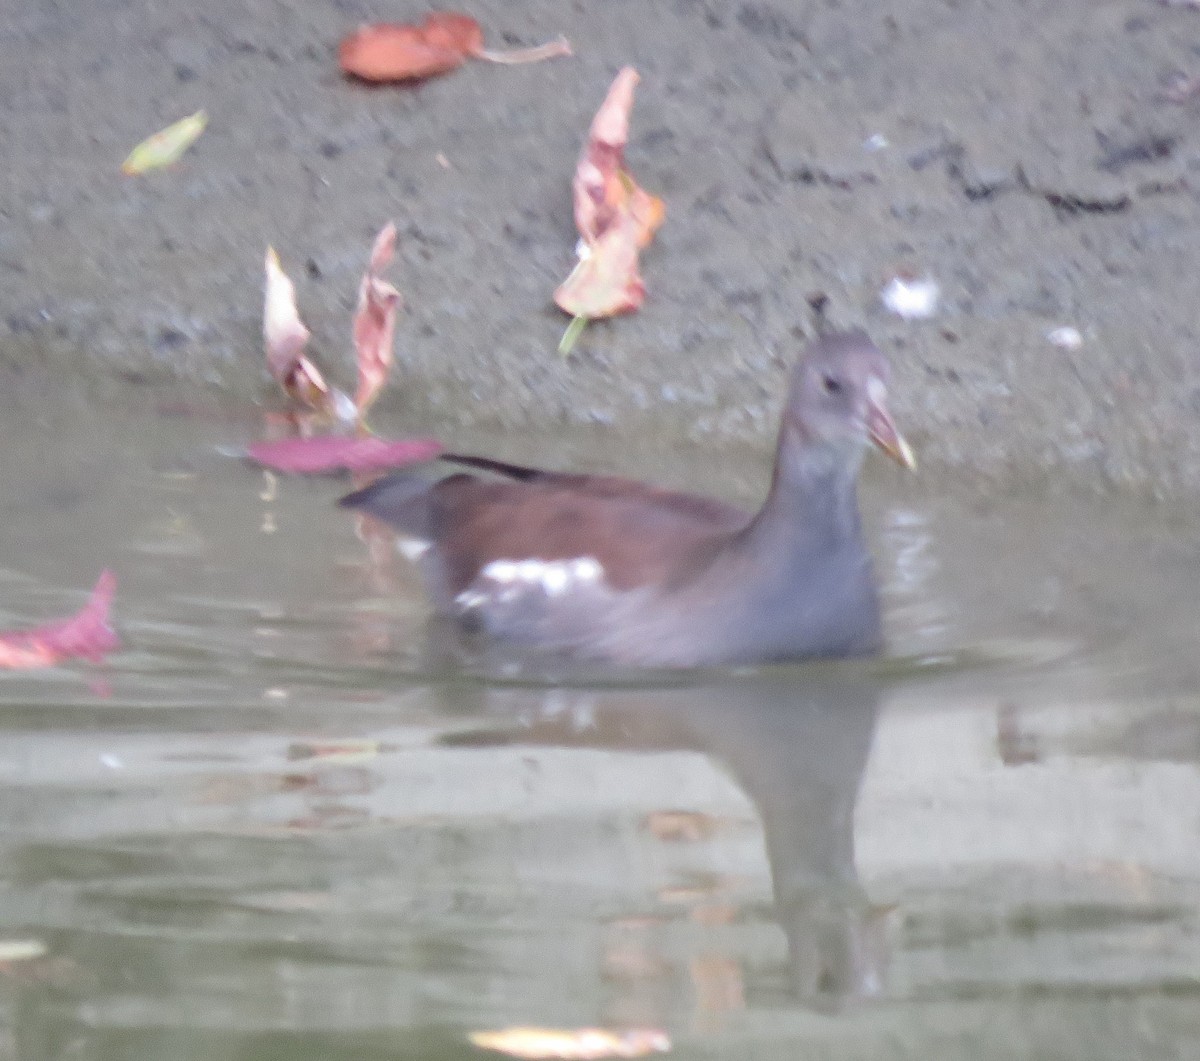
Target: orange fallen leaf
x=87 y=634
x=392 y=51
x=606 y=281
x=579 y=1044
x=375 y=322
x=615 y=218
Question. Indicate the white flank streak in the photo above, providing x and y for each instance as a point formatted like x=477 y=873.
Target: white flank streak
x=553 y=577
x=412 y=549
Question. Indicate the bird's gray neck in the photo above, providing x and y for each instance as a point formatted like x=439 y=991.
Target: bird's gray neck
x=813 y=500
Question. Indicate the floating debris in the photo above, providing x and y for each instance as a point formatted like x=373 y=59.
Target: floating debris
x=579 y=1044
x=21 y=950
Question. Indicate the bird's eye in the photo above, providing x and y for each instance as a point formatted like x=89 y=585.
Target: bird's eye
x=832 y=384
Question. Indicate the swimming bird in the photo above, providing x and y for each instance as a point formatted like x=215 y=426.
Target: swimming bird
x=604 y=568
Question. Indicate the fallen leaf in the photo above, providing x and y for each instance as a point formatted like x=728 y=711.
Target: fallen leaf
x=334 y=750
x=681 y=825
x=606 y=281
x=603 y=187
x=327 y=454
x=87 y=634
x=375 y=322
x=166 y=146
x=615 y=218
x=21 y=950
x=579 y=1044
x=388 y=51
x=392 y=51
x=285 y=338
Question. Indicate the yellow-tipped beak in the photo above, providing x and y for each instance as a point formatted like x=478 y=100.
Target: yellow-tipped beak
x=881 y=429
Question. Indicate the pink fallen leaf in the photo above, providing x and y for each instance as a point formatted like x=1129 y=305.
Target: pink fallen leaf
x=87 y=634
x=375 y=322
x=576 y=1044
x=285 y=337
x=327 y=454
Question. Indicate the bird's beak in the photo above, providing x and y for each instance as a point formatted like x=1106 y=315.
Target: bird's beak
x=881 y=428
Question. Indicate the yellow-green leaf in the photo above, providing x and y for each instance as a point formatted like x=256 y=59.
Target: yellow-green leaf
x=165 y=146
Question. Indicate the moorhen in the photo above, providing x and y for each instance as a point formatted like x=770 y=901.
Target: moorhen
x=602 y=568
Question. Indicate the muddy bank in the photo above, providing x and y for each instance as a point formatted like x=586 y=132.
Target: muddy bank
x=1023 y=154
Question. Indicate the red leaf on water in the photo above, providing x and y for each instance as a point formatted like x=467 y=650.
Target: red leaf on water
x=327 y=454
x=393 y=51
x=614 y=216
x=86 y=634
x=375 y=322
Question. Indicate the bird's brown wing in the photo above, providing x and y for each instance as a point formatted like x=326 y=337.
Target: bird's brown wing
x=641 y=535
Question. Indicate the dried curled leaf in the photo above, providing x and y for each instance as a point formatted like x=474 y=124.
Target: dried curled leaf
x=285 y=337
x=615 y=218
x=579 y=1044
x=330 y=454
x=87 y=634
x=166 y=146
x=603 y=188
x=393 y=51
x=375 y=322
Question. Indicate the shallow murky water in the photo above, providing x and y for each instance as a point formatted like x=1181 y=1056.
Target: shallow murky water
x=280 y=824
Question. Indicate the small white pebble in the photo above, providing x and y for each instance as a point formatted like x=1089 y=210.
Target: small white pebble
x=875 y=142
x=113 y=762
x=1065 y=338
x=912 y=298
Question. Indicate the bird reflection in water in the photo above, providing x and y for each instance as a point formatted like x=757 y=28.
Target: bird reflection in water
x=796 y=740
